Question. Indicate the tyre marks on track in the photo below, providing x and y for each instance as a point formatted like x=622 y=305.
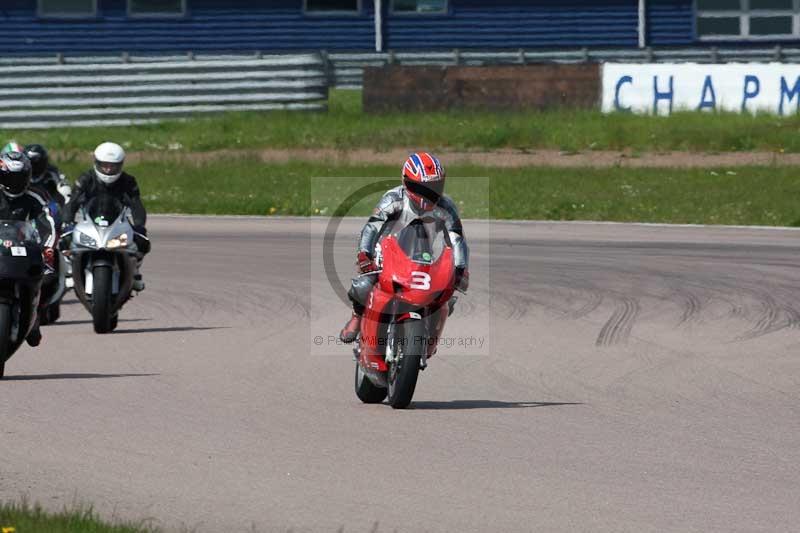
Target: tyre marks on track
x=768 y=321
x=618 y=328
x=594 y=298
x=774 y=315
x=691 y=306
x=734 y=296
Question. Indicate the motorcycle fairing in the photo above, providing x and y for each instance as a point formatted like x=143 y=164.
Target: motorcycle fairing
x=406 y=290
x=100 y=241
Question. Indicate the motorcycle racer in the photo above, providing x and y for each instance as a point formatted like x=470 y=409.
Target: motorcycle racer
x=51 y=186
x=107 y=177
x=421 y=193
x=19 y=203
x=47 y=177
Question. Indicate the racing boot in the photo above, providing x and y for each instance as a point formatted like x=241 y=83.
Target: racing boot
x=138 y=282
x=350 y=330
x=35 y=336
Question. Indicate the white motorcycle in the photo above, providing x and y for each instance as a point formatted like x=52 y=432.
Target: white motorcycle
x=104 y=259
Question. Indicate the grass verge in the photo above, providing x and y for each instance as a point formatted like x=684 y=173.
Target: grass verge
x=24 y=518
x=344 y=126
x=743 y=195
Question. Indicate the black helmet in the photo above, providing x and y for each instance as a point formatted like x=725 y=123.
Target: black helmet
x=39 y=161
x=15 y=173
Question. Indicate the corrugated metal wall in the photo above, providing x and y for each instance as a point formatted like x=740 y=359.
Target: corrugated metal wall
x=670 y=22
x=280 y=25
x=212 y=25
x=519 y=24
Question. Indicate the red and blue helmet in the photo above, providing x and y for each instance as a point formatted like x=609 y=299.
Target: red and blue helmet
x=423 y=179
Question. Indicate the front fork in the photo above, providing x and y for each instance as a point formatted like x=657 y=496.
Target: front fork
x=392 y=354
x=434 y=325
x=88 y=276
x=120 y=264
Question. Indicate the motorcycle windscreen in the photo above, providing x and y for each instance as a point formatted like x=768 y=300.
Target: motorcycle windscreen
x=17 y=232
x=103 y=209
x=423 y=240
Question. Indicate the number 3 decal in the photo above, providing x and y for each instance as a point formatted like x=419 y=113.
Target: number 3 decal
x=420 y=280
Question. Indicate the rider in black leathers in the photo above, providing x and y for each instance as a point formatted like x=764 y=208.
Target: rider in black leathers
x=124 y=188
x=19 y=203
x=107 y=178
x=46 y=178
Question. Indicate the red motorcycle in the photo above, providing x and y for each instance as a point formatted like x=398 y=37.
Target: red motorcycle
x=406 y=310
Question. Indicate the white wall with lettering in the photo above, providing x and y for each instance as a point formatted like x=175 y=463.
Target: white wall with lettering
x=666 y=87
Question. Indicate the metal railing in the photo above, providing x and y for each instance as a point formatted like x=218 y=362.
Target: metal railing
x=346 y=70
x=99 y=91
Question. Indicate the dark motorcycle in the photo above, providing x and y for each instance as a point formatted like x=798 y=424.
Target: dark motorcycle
x=21 y=272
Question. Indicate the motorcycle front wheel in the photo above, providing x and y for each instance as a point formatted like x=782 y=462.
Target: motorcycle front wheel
x=404 y=369
x=101 y=299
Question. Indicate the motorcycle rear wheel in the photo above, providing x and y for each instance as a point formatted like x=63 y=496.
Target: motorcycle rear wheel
x=404 y=370
x=366 y=391
x=101 y=299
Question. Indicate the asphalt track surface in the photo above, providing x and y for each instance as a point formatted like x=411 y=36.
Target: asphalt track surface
x=637 y=379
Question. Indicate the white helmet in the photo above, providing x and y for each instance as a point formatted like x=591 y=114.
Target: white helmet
x=108 y=160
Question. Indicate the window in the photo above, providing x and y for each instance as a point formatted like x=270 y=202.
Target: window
x=156 y=8
x=67 y=8
x=333 y=6
x=748 y=19
x=419 y=6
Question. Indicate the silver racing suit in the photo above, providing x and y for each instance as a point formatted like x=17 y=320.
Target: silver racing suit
x=395 y=205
